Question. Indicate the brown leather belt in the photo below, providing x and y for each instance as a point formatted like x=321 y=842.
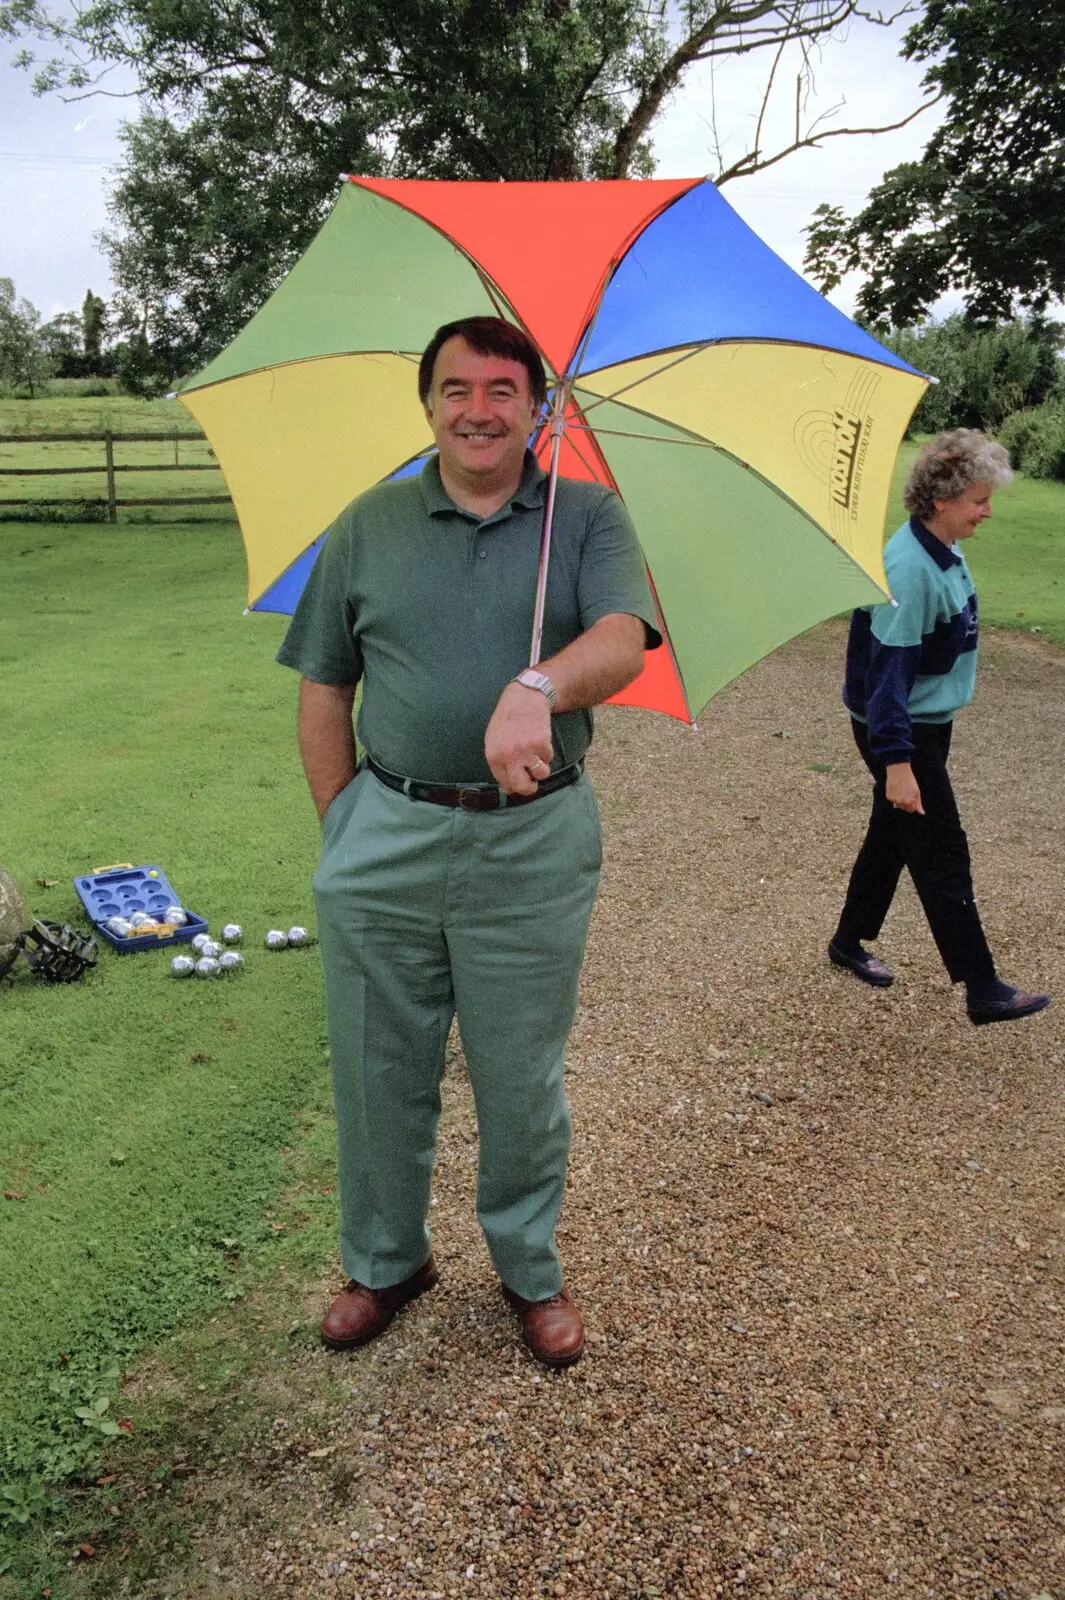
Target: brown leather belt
x=472 y=797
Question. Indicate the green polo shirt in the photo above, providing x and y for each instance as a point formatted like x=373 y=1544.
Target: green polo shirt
x=431 y=610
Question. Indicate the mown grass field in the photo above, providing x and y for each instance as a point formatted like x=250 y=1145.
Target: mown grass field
x=169 y=1143
x=62 y=414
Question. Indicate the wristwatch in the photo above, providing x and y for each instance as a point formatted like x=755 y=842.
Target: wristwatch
x=538 y=680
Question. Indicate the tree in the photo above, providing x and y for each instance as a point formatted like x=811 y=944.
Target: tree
x=983 y=211
x=93 y=327
x=61 y=339
x=24 y=362
x=253 y=108
x=985 y=372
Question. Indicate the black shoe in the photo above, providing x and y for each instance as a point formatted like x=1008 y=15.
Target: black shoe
x=1015 y=1004
x=862 y=964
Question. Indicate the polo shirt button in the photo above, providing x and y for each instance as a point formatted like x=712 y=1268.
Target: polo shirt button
x=482 y=554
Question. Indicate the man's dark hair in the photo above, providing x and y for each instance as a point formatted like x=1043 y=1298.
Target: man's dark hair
x=488 y=336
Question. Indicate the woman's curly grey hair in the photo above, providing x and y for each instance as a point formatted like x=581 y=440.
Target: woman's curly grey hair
x=950 y=464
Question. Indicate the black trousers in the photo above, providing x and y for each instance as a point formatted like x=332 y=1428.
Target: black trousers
x=933 y=848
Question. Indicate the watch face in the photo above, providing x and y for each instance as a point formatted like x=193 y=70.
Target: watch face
x=538 y=680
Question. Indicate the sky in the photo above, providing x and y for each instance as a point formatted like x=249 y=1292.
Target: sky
x=55 y=158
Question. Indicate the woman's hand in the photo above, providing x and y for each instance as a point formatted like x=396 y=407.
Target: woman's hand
x=902 y=790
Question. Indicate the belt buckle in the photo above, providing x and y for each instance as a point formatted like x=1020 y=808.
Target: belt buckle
x=471 y=799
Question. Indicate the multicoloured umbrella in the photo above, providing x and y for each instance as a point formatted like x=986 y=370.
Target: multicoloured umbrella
x=750 y=427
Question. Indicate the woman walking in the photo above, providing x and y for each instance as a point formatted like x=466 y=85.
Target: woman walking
x=910 y=667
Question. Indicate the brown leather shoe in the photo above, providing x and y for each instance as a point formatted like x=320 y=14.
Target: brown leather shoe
x=358 y=1314
x=553 y=1329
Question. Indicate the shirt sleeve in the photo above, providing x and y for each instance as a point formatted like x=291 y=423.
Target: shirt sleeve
x=894 y=661
x=613 y=574
x=321 y=642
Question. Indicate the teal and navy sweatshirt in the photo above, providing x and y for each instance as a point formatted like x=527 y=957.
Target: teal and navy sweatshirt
x=914 y=661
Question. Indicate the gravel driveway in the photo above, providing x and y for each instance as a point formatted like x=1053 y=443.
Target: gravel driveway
x=818 y=1231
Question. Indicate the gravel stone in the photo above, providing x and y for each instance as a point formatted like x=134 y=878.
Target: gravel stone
x=820 y=1363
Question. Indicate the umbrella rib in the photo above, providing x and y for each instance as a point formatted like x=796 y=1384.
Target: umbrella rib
x=490 y=290
x=651 y=438
x=646 y=377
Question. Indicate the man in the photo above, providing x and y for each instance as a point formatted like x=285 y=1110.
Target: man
x=461 y=858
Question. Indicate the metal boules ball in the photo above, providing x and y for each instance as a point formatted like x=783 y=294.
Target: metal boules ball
x=138 y=919
x=211 y=947
x=121 y=927
x=231 y=961
x=207 y=967
x=276 y=940
x=175 y=917
x=232 y=933
x=199 y=940
x=298 y=936
x=183 y=966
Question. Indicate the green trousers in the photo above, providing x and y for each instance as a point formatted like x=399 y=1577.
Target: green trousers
x=425 y=913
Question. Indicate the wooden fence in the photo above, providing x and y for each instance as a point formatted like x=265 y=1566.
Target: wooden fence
x=111 y=468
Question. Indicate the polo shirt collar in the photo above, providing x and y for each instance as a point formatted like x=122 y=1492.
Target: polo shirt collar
x=529 y=494
x=944 y=556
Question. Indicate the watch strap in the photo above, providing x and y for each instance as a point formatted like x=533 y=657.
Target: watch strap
x=532 y=679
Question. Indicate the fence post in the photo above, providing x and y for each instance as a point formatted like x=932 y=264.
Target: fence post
x=109 y=447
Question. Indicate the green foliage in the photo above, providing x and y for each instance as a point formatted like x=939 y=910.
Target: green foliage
x=93 y=328
x=24 y=360
x=73 y=341
x=83 y=388
x=253 y=110
x=984 y=373
x=62 y=340
x=225 y=183
x=983 y=211
x=142 y=371
x=1035 y=440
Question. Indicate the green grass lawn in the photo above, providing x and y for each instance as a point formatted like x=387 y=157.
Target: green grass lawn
x=171 y=1141
x=118 y=414
x=151 y=1126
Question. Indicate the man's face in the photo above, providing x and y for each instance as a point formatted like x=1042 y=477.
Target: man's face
x=481 y=413
x=961 y=516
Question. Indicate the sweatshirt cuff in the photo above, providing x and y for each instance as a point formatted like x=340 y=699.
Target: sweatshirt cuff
x=890 y=758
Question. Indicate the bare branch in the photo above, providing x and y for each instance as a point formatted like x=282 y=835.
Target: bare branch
x=764 y=107
x=727 y=22
x=911 y=9
x=752 y=162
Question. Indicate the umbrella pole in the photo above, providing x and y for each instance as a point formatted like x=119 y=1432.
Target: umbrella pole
x=557 y=426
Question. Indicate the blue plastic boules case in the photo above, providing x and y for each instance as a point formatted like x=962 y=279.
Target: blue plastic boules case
x=119 y=891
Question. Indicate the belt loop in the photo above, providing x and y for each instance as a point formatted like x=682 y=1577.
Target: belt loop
x=406 y=786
